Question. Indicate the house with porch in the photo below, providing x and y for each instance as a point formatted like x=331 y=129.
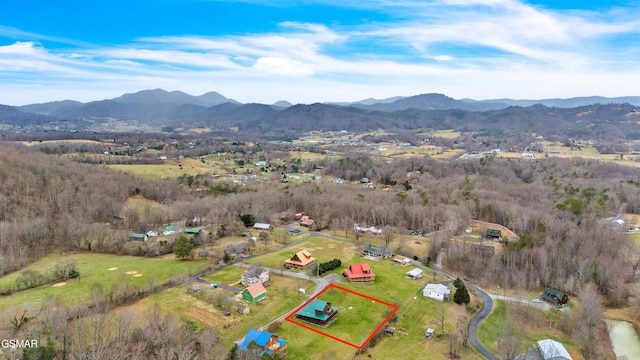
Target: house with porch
x=377 y=252
x=318 y=312
x=254 y=293
x=255 y=275
x=262 y=342
x=301 y=260
x=555 y=297
x=359 y=273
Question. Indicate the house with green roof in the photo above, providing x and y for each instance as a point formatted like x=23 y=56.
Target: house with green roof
x=192 y=231
x=318 y=312
x=170 y=230
x=139 y=237
x=555 y=297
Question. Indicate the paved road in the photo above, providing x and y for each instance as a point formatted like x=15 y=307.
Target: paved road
x=487 y=307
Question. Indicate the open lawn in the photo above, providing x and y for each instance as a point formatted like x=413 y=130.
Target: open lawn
x=107 y=270
x=321 y=248
x=358 y=316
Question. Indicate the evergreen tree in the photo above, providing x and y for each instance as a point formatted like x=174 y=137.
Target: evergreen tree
x=458 y=283
x=183 y=247
x=462 y=295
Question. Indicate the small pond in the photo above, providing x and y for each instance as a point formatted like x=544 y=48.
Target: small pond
x=624 y=339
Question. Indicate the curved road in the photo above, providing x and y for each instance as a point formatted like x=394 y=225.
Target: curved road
x=487 y=307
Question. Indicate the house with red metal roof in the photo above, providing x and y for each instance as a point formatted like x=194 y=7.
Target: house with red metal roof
x=359 y=273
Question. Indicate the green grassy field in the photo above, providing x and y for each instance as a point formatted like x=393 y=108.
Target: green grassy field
x=321 y=248
x=357 y=317
x=107 y=270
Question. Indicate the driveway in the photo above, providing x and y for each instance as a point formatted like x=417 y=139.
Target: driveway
x=235 y=290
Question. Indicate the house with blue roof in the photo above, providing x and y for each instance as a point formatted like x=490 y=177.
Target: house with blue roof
x=262 y=342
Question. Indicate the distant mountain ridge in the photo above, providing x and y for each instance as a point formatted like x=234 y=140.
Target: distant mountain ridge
x=160 y=109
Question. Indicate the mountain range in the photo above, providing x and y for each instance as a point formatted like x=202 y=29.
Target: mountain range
x=159 y=109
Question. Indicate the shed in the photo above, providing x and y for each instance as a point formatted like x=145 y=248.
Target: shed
x=390 y=331
x=428 y=334
x=493 y=234
x=243 y=309
x=262 y=226
x=414 y=274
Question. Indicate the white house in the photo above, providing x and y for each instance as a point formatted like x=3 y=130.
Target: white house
x=414 y=274
x=436 y=292
x=262 y=226
x=553 y=350
x=401 y=260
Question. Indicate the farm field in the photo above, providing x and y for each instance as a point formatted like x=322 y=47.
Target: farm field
x=168 y=169
x=103 y=269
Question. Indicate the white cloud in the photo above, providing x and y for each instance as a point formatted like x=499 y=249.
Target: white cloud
x=463 y=48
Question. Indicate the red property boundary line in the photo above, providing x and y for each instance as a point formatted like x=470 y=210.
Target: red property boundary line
x=394 y=307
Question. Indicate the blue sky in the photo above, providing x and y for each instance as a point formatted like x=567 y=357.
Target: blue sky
x=308 y=51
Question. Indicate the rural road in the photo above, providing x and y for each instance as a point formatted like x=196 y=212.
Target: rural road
x=487 y=307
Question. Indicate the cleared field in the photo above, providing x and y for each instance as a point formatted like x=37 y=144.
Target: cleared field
x=169 y=168
x=282 y=296
x=447 y=134
x=357 y=318
x=107 y=270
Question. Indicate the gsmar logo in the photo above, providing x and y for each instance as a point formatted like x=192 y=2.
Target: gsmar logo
x=18 y=343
